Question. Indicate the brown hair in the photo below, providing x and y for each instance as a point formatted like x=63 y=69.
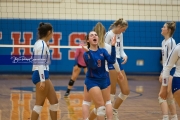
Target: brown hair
x=43 y=29
x=100 y=30
x=172 y=27
x=120 y=21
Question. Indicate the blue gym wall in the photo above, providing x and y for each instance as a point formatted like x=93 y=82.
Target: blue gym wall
x=138 y=34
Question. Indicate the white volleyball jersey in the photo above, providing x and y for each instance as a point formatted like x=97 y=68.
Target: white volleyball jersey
x=119 y=43
x=167 y=46
x=174 y=58
x=41 y=58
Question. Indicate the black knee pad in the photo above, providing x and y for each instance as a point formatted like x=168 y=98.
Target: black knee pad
x=71 y=82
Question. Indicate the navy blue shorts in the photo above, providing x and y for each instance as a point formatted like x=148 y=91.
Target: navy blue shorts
x=90 y=83
x=172 y=71
x=36 y=78
x=175 y=84
x=111 y=67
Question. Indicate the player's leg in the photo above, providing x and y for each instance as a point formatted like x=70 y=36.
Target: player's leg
x=96 y=96
x=177 y=97
x=164 y=107
x=107 y=101
x=170 y=101
x=75 y=73
x=86 y=104
x=40 y=98
x=124 y=91
x=113 y=79
x=52 y=97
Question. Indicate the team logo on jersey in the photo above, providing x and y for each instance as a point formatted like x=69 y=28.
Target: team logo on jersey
x=101 y=55
x=118 y=37
x=42 y=76
x=99 y=63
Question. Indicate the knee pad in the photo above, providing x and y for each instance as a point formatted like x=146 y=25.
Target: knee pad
x=108 y=102
x=54 y=107
x=101 y=111
x=112 y=97
x=161 y=100
x=71 y=82
x=37 y=109
x=122 y=96
x=95 y=111
x=170 y=101
x=86 y=103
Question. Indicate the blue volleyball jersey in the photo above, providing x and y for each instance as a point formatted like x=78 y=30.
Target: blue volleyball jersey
x=95 y=61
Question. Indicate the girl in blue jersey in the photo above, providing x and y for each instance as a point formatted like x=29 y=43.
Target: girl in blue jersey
x=96 y=77
x=100 y=30
x=117 y=28
x=168 y=44
x=40 y=77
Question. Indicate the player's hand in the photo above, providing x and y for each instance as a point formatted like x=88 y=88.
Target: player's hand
x=160 y=78
x=42 y=85
x=124 y=59
x=163 y=92
x=113 y=41
x=85 y=48
x=120 y=75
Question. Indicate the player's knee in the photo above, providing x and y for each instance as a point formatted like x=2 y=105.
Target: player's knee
x=112 y=97
x=101 y=111
x=71 y=82
x=54 y=107
x=108 y=102
x=161 y=100
x=37 y=109
x=170 y=101
x=86 y=103
x=122 y=96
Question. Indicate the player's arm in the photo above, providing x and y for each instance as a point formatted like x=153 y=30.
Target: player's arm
x=110 y=58
x=40 y=61
x=173 y=57
x=89 y=60
x=123 y=54
x=107 y=38
x=116 y=65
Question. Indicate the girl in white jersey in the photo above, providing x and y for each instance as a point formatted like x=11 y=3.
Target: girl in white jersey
x=117 y=28
x=174 y=58
x=40 y=77
x=100 y=30
x=168 y=45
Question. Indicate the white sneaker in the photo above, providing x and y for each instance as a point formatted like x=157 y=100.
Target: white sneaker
x=115 y=115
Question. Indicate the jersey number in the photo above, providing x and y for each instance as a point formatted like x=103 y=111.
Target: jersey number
x=118 y=44
x=99 y=63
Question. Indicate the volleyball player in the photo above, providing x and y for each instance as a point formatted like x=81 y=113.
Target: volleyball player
x=40 y=77
x=100 y=30
x=168 y=45
x=95 y=81
x=79 y=64
x=174 y=58
x=117 y=28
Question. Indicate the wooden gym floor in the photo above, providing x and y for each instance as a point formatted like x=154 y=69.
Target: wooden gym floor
x=17 y=98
